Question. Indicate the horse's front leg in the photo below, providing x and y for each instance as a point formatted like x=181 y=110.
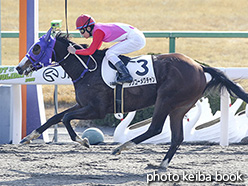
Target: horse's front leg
x=82 y=113
x=53 y=120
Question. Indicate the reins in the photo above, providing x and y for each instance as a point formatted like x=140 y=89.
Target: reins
x=90 y=56
x=87 y=69
x=85 y=65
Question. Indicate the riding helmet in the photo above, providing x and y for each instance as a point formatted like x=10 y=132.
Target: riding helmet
x=83 y=21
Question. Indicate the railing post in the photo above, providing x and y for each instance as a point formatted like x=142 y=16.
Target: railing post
x=16 y=113
x=224 y=118
x=55 y=97
x=172 y=44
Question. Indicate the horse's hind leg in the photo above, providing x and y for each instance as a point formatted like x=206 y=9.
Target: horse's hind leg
x=53 y=120
x=176 y=124
x=161 y=111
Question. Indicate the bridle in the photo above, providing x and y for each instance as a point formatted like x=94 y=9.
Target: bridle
x=41 y=61
x=86 y=68
x=44 y=57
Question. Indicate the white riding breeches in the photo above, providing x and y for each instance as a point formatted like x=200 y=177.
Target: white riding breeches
x=135 y=41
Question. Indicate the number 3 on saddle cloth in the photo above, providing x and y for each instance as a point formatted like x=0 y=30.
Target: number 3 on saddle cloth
x=140 y=68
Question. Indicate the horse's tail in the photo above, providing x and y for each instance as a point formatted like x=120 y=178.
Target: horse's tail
x=219 y=79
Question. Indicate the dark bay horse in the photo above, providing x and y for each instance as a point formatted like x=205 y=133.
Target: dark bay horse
x=180 y=83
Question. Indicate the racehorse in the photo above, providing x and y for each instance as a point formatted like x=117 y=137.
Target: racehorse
x=180 y=83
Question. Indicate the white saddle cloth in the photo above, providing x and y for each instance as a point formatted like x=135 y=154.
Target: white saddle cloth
x=140 y=68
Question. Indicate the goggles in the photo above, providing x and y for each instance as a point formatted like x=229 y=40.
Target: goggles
x=82 y=31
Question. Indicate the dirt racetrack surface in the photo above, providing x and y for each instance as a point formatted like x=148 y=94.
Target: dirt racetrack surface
x=68 y=163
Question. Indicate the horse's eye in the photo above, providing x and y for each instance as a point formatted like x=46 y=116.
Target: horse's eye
x=36 y=49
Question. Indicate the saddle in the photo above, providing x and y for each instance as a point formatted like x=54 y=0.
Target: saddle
x=140 y=68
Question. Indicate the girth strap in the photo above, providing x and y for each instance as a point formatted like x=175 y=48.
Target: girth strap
x=118 y=99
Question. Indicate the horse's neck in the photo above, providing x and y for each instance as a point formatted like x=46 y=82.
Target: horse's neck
x=70 y=64
x=72 y=67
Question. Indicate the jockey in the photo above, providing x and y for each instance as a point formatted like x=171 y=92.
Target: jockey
x=128 y=38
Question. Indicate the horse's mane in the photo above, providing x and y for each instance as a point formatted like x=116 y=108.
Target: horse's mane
x=62 y=37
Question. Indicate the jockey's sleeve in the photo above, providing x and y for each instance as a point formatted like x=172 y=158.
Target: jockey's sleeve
x=96 y=44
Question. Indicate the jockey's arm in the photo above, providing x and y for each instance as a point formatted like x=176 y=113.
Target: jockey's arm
x=96 y=44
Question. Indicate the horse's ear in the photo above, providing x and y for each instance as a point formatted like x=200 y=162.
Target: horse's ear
x=48 y=34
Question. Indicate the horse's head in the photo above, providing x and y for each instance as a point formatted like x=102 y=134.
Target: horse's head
x=39 y=55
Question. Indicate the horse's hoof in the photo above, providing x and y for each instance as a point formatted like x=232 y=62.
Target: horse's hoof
x=24 y=141
x=164 y=163
x=116 y=151
x=27 y=139
x=125 y=146
x=86 y=143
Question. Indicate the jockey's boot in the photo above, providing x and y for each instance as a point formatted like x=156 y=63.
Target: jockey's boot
x=124 y=76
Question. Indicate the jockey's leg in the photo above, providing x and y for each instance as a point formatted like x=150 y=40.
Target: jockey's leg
x=134 y=42
x=124 y=75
